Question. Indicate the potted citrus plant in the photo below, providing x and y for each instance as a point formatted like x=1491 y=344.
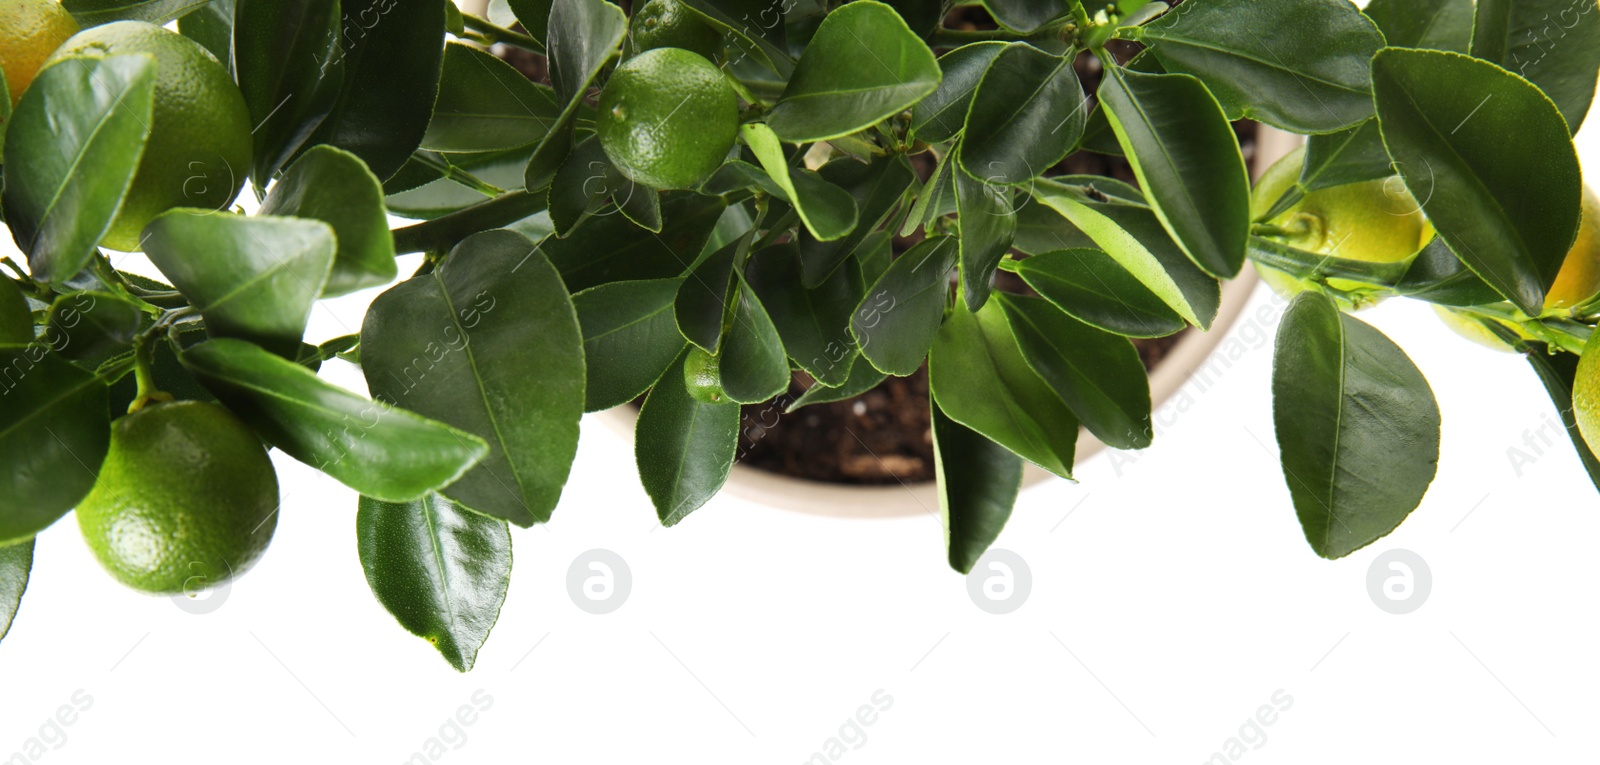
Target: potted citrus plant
x=692 y=201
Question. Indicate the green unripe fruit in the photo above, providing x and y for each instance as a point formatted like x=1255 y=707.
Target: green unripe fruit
x=667 y=118
x=186 y=499
x=702 y=375
x=671 y=24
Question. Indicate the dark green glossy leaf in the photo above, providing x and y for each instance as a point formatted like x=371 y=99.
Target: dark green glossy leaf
x=896 y=322
x=251 y=278
x=1555 y=44
x=534 y=15
x=701 y=308
x=580 y=186
x=873 y=256
x=980 y=379
x=441 y=570
x=391 y=53
x=1348 y=156
x=289 y=59
x=828 y=211
x=1357 y=426
x=335 y=187
x=684 y=448
x=378 y=450
x=1558 y=372
x=1041 y=229
x=936 y=198
x=54 y=430
x=1436 y=24
x=1026 y=114
x=583 y=36
x=629 y=339
x=421 y=192
x=814 y=322
x=1026 y=16
x=1130 y=233
x=978 y=484
x=755 y=27
x=1438 y=276
x=863 y=65
x=1096 y=290
x=1096 y=373
x=863 y=377
x=611 y=248
x=82 y=113
x=988 y=226
x=940 y=116
x=753 y=363
x=16 y=563
x=876 y=188
x=211 y=25
x=486 y=105
x=1508 y=208
x=1187 y=159
x=89 y=13
x=489 y=343
x=16 y=318
x=1301 y=65
x=91 y=327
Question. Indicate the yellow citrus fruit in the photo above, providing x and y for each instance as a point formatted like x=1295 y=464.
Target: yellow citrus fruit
x=1579 y=278
x=1586 y=393
x=702 y=375
x=199 y=148
x=667 y=118
x=1473 y=329
x=186 y=499
x=30 y=30
x=671 y=24
x=1375 y=221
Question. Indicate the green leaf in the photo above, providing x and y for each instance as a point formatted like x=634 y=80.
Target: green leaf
x=863 y=65
x=90 y=13
x=1027 y=16
x=80 y=113
x=1436 y=24
x=942 y=115
x=1301 y=65
x=440 y=570
x=1131 y=234
x=1348 y=156
x=753 y=26
x=828 y=211
x=391 y=77
x=421 y=192
x=91 y=327
x=629 y=339
x=978 y=484
x=1508 y=208
x=1096 y=290
x=1548 y=42
x=580 y=186
x=612 y=248
x=534 y=15
x=335 y=187
x=979 y=378
x=489 y=343
x=1438 y=276
x=486 y=105
x=701 y=308
x=684 y=448
x=211 y=25
x=289 y=59
x=583 y=36
x=1186 y=157
x=54 y=431
x=876 y=189
x=936 y=198
x=863 y=377
x=753 y=363
x=169 y=375
x=16 y=563
x=1026 y=115
x=814 y=322
x=378 y=450
x=896 y=322
x=988 y=226
x=1041 y=229
x=1097 y=374
x=1357 y=426
x=251 y=278
x=1558 y=372
x=16 y=318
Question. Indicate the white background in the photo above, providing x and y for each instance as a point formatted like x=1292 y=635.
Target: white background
x=1172 y=595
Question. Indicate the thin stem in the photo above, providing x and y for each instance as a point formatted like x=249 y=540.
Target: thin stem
x=144 y=374
x=500 y=34
x=1565 y=334
x=456 y=174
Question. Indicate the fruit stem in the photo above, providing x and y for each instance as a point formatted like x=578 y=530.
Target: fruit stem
x=500 y=34
x=744 y=92
x=144 y=374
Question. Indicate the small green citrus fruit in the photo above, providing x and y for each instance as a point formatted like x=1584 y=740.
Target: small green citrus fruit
x=667 y=118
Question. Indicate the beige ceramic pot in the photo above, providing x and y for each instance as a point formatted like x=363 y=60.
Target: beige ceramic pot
x=848 y=501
